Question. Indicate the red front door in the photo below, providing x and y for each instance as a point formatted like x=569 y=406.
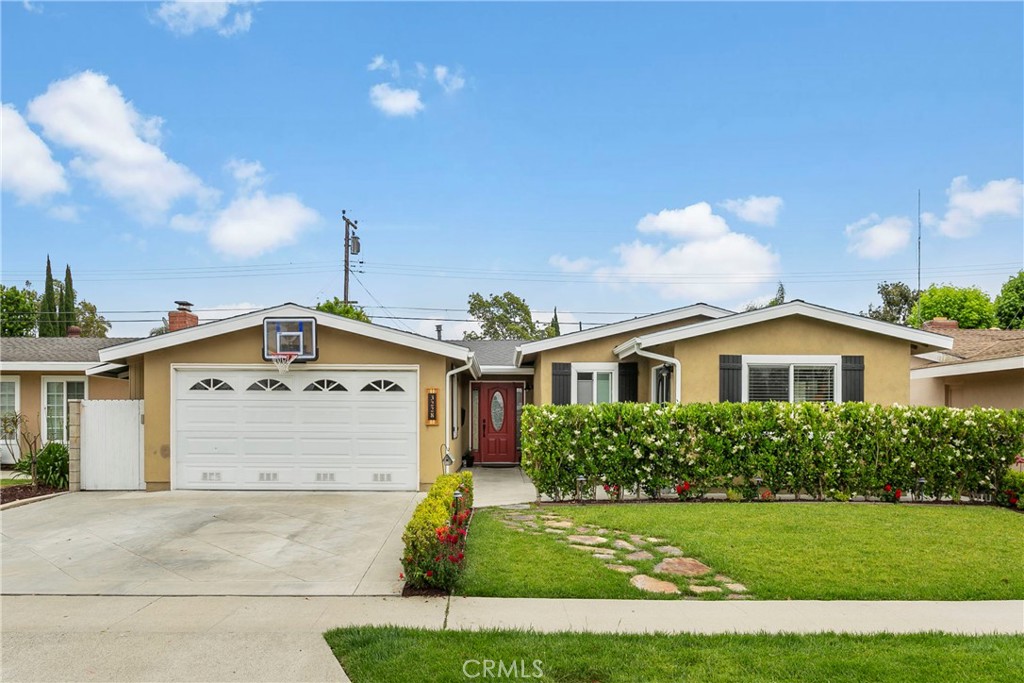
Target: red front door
x=497 y=423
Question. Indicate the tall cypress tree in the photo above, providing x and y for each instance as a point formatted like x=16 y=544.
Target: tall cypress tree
x=67 y=304
x=48 y=323
x=553 y=329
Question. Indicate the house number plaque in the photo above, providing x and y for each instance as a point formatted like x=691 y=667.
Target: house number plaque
x=432 y=407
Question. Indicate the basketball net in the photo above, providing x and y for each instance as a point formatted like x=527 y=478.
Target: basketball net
x=283 y=359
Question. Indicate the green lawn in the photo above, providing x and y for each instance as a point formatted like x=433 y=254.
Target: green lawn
x=14 y=482
x=387 y=654
x=780 y=551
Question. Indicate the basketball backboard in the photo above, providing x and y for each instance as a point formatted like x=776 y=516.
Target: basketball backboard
x=290 y=335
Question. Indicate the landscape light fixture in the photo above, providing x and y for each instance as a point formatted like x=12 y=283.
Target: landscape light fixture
x=580 y=480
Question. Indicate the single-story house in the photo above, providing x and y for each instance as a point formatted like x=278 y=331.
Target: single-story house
x=362 y=406
x=983 y=368
x=38 y=376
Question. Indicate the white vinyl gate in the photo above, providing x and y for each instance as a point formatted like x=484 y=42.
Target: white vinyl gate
x=112 y=437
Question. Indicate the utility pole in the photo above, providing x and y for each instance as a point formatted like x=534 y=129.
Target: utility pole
x=351 y=247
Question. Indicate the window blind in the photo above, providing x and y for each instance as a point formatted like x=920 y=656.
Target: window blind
x=768 y=383
x=813 y=383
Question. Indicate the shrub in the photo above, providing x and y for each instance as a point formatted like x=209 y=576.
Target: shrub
x=435 y=538
x=826 y=450
x=1011 y=492
x=51 y=465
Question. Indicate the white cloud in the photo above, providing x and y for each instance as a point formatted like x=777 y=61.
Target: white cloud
x=28 y=169
x=875 y=238
x=256 y=223
x=30 y=7
x=692 y=222
x=754 y=209
x=248 y=174
x=64 y=212
x=379 y=63
x=227 y=18
x=703 y=260
x=568 y=265
x=421 y=70
x=115 y=144
x=968 y=209
x=395 y=101
x=450 y=82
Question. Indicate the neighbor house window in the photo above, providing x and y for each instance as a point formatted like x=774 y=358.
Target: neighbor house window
x=594 y=383
x=791 y=378
x=57 y=391
x=9 y=408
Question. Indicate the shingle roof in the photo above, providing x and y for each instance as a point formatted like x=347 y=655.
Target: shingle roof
x=492 y=351
x=56 y=349
x=972 y=345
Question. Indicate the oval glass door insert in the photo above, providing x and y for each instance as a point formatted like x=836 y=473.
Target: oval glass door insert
x=497 y=411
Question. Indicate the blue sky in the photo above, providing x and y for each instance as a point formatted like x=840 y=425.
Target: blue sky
x=606 y=159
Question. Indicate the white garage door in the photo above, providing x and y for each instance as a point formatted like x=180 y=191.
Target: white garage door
x=305 y=429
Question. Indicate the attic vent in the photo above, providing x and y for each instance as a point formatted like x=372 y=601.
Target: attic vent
x=268 y=476
x=210 y=476
x=381 y=477
x=325 y=476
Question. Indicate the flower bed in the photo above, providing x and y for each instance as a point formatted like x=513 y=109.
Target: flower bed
x=435 y=538
x=758 y=450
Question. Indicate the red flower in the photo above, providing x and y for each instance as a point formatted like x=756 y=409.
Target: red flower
x=1013 y=501
x=430 y=573
x=461 y=555
x=679 y=488
x=437 y=559
x=686 y=486
x=606 y=488
x=899 y=492
x=888 y=487
x=401 y=575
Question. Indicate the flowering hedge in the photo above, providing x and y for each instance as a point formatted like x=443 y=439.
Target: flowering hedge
x=435 y=538
x=760 y=449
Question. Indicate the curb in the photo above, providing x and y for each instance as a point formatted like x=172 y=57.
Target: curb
x=26 y=501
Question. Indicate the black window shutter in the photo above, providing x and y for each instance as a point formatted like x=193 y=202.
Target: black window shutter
x=561 y=384
x=730 y=379
x=628 y=373
x=853 y=378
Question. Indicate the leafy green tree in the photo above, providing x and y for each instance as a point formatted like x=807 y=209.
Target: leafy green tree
x=336 y=306
x=18 y=311
x=969 y=306
x=92 y=323
x=898 y=300
x=67 y=313
x=48 y=322
x=503 y=316
x=779 y=298
x=1010 y=303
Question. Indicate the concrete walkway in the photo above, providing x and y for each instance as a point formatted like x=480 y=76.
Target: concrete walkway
x=501 y=486
x=279 y=638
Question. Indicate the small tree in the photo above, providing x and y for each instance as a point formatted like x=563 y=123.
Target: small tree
x=19 y=309
x=898 y=300
x=969 y=306
x=92 y=323
x=779 y=298
x=48 y=323
x=554 y=329
x=1010 y=303
x=12 y=428
x=503 y=316
x=336 y=306
x=164 y=328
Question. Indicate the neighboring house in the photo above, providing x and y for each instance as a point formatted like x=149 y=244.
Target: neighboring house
x=366 y=407
x=983 y=368
x=39 y=375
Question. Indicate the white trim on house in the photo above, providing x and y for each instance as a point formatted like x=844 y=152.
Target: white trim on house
x=969 y=367
x=793 y=360
x=630 y=325
x=43 y=421
x=504 y=370
x=45 y=366
x=929 y=341
x=247 y=320
x=612 y=368
x=119 y=370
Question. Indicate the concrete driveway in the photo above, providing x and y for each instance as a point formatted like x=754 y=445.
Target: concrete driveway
x=206 y=543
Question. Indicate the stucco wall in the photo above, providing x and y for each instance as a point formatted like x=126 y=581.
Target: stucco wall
x=31 y=393
x=886 y=360
x=245 y=347
x=988 y=389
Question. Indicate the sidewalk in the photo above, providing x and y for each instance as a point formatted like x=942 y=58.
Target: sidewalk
x=279 y=638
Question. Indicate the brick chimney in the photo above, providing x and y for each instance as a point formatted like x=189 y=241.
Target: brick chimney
x=938 y=324
x=182 y=318
x=74 y=331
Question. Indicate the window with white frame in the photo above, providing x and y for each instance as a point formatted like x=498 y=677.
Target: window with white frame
x=57 y=391
x=594 y=383
x=791 y=378
x=10 y=406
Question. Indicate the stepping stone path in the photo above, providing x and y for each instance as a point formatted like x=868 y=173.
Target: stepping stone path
x=629 y=554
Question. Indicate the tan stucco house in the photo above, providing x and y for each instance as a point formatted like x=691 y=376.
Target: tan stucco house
x=983 y=368
x=367 y=407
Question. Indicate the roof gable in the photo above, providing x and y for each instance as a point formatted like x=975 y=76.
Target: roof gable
x=926 y=341
x=255 y=319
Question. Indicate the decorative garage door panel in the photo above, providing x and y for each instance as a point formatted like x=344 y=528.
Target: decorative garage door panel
x=306 y=429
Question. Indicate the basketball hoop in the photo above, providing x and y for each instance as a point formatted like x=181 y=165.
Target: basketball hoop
x=283 y=359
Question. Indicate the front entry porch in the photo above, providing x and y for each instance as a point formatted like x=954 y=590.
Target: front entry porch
x=495 y=421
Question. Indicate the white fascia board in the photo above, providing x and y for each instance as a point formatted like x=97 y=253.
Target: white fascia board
x=247 y=320
x=928 y=339
x=505 y=370
x=45 y=366
x=627 y=348
x=106 y=368
x=630 y=325
x=969 y=367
